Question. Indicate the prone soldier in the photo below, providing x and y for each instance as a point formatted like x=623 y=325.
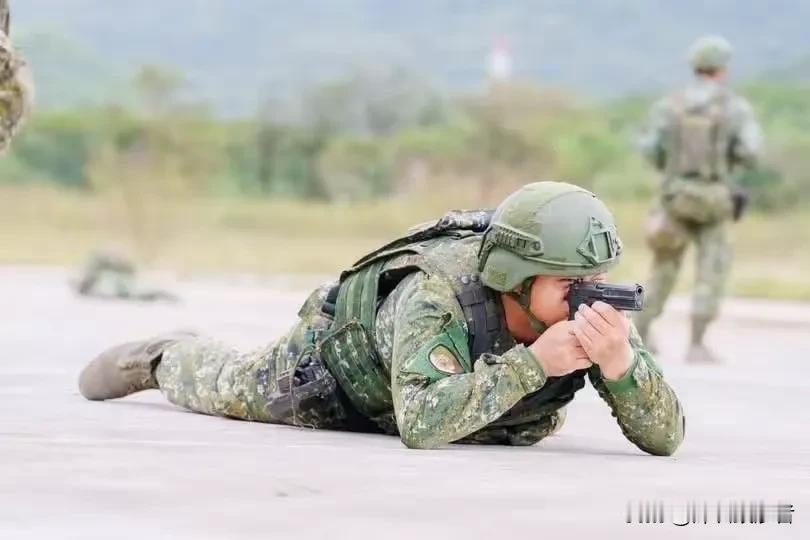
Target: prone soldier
x=111 y=274
x=457 y=332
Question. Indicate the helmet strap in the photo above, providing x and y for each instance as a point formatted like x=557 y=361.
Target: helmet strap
x=524 y=300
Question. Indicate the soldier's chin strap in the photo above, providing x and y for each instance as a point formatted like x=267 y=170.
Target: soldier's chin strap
x=524 y=300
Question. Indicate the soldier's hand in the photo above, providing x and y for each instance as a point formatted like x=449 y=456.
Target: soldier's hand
x=604 y=334
x=558 y=352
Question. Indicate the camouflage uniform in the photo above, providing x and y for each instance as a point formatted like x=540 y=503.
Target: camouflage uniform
x=427 y=402
x=15 y=83
x=696 y=204
x=108 y=274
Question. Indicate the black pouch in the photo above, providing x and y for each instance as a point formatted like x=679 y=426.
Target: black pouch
x=306 y=395
x=556 y=393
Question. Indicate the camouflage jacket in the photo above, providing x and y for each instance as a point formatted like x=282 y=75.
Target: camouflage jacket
x=15 y=83
x=431 y=408
x=745 y=133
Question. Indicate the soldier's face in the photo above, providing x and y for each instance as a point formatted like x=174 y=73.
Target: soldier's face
x=549 y=296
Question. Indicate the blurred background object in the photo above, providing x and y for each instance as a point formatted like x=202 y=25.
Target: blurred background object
x=276 y=137
x=111 y=274
x=16 y=88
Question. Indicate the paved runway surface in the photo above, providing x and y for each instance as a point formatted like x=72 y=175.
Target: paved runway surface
x=141 y=468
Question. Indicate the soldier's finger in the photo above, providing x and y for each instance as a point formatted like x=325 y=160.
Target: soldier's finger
x=586 y=327
x=570 y=326
x=584 y=363
x=572 y=340
x=608 y=313
x=584 y=340
x=596 y=319
x=581 y=354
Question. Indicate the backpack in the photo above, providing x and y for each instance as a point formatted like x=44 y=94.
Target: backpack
x=695 y=187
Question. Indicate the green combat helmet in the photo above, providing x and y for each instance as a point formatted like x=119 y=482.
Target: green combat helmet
x=546 y=228
x=710 y=52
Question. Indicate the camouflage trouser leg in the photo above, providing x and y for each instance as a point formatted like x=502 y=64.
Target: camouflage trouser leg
x=713 y=264
x=668 y=239
x=211 y=378
x=665 y=267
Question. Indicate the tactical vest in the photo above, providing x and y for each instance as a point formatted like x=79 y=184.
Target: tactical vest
x=699 y=139
x=448 y=248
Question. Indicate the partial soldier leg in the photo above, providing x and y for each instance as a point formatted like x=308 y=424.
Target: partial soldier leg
x=194 y=372
x=713 y=264
x=668 y=239
x=209 y=377
x=281 y=383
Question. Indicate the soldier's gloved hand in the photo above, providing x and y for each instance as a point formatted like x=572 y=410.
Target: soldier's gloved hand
x=558 y=352
x=604 y=334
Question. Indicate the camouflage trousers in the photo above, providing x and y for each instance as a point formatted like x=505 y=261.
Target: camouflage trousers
x=669 y=237
x=210 y=377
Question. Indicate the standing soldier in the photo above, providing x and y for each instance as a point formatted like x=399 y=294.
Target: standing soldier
x=696 y=138
x=15 y=82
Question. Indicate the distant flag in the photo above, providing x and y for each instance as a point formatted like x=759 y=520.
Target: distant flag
x=499 y=62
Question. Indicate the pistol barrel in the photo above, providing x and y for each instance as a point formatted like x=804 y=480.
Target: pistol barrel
x=621 y=297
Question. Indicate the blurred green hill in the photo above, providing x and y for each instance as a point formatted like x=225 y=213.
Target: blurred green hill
x=235 y=53
x=290 y=137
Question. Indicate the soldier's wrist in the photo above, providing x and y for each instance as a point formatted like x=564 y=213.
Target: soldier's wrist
x=627 y=381
x=527 y=367
x=620 y=366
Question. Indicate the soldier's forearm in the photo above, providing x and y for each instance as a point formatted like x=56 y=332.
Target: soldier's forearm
x=433 y=414
x=747 y=143
x=526 y=434
x=745 y=160
x=650 y=143
x=645 y=406
x=650 y=148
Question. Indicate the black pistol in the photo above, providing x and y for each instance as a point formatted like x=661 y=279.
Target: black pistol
x=621 y=297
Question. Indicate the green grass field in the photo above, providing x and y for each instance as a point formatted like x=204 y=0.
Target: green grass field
x=46 y=226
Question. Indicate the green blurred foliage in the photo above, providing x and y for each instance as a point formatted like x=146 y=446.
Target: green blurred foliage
x=353 y=168
x=364 y=136
x=56 y=148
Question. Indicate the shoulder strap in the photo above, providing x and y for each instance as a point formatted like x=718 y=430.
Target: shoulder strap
x=456 y=223
x=719 y=112
x=673 y=148
x=484 y=314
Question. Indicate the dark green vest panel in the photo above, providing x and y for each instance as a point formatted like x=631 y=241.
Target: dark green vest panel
x=349 y=350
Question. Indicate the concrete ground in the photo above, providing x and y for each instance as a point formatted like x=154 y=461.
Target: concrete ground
x=142 y=468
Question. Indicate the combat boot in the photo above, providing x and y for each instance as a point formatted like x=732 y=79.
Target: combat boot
x=127 y=368
x=701 y=354
x=698 y=352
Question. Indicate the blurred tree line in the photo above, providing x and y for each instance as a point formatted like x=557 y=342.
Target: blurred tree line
x=379 y=134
